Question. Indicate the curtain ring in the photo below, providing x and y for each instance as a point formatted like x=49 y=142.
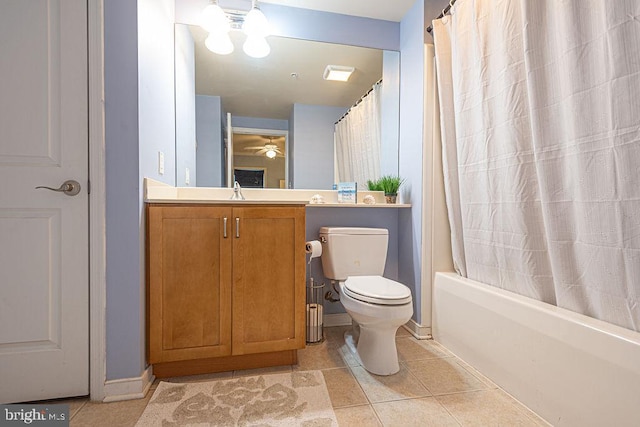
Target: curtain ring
x=443 y=13
x=451 y=4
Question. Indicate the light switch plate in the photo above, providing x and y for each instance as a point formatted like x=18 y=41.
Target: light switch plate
x=160 y=162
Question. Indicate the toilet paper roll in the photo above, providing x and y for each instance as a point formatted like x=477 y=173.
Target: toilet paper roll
x=314 y=322
x=314 y=248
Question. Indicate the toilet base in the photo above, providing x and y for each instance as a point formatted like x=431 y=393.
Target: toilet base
x=375 y=349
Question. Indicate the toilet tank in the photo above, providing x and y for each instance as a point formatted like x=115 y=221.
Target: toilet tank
x=353 y=251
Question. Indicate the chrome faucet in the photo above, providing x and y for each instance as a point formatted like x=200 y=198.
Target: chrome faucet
x=237 y=193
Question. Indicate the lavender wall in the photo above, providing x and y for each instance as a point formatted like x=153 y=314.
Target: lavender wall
x=131 y=151
x=124 y=334
x=209 y=137
x=185 y=90
x=156 y=102
x=390 y=105
x=313 y=145
x=259 y=123
x=410 y=152
x=309 y=24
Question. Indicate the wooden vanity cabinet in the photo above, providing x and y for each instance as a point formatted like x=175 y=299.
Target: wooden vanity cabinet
x=268 y=309
x=226 y=286
x=189 y=282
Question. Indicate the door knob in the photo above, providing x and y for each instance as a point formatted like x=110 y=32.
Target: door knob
x=69 y=187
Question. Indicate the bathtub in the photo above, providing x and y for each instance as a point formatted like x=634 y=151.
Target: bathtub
x=570 y=369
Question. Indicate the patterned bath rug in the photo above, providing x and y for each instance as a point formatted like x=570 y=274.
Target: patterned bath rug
x=291 y=399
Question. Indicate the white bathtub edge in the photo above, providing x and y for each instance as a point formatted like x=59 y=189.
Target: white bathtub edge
x=568 y=368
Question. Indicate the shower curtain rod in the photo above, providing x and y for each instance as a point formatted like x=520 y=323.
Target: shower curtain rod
x=444 y=12
x=358 y=101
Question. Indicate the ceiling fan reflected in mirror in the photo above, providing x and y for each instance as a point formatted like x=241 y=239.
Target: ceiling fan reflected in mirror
x=269 y=149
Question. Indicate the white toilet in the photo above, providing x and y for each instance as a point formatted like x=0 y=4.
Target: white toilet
x=355 y=257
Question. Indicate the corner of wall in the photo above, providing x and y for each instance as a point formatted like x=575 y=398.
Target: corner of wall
x=410 y=156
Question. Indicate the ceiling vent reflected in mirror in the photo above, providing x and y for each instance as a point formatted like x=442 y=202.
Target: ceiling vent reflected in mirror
x=338 y=73
x=218 y=22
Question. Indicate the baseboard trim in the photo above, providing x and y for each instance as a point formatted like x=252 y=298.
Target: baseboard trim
x=339 y=319
x=128 y=388
x=417 y=330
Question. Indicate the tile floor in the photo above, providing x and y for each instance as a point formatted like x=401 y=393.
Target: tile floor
x=433 y=388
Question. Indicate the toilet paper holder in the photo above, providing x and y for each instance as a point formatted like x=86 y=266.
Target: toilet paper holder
x=315 y=312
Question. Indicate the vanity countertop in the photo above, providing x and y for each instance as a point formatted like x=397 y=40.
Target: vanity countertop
x=158 y=192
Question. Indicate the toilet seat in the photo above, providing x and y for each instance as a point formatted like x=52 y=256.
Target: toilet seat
x=377 y=290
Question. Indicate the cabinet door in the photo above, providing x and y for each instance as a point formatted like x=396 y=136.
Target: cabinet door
x=268 y=279
x=189 y=275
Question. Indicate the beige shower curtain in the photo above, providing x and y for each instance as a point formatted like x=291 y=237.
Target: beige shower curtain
x=540 y=116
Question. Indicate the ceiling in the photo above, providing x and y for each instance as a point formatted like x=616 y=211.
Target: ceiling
x=388 y=10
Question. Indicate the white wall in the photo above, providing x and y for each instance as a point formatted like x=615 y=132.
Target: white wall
x=185 y=90
x=436 y=234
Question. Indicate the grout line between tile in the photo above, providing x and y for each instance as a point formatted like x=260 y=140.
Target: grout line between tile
x=416 y=398
x=447 y=410
x=77 y=411
x=420 y=381
x=522 y=408
x=376 y=414
x=462 y=392
x=328 y=369
x=351 y=405
x=359 y=385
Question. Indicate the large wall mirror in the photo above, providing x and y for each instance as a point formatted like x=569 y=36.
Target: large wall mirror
x=271 y=120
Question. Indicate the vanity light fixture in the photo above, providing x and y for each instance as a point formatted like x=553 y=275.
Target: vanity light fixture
x=338 y=73
x=219 y=43
x=213 y=19
x=218 y=22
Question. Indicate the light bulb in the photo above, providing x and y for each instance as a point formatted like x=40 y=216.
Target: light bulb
x=256 y=24
x=213 y=19
x=219 y=43
x=256 y=47
x=271 y=154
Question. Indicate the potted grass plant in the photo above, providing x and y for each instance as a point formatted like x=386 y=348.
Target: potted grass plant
x=389 y=184
x=374 y=185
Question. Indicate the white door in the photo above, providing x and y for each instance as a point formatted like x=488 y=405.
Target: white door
x=44 y=343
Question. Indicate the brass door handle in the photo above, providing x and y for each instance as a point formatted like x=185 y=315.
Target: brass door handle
x=224 y=225
x=237 y=228
x=69 y=187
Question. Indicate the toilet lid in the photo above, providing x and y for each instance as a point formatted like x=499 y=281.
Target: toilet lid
x=377 y=290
